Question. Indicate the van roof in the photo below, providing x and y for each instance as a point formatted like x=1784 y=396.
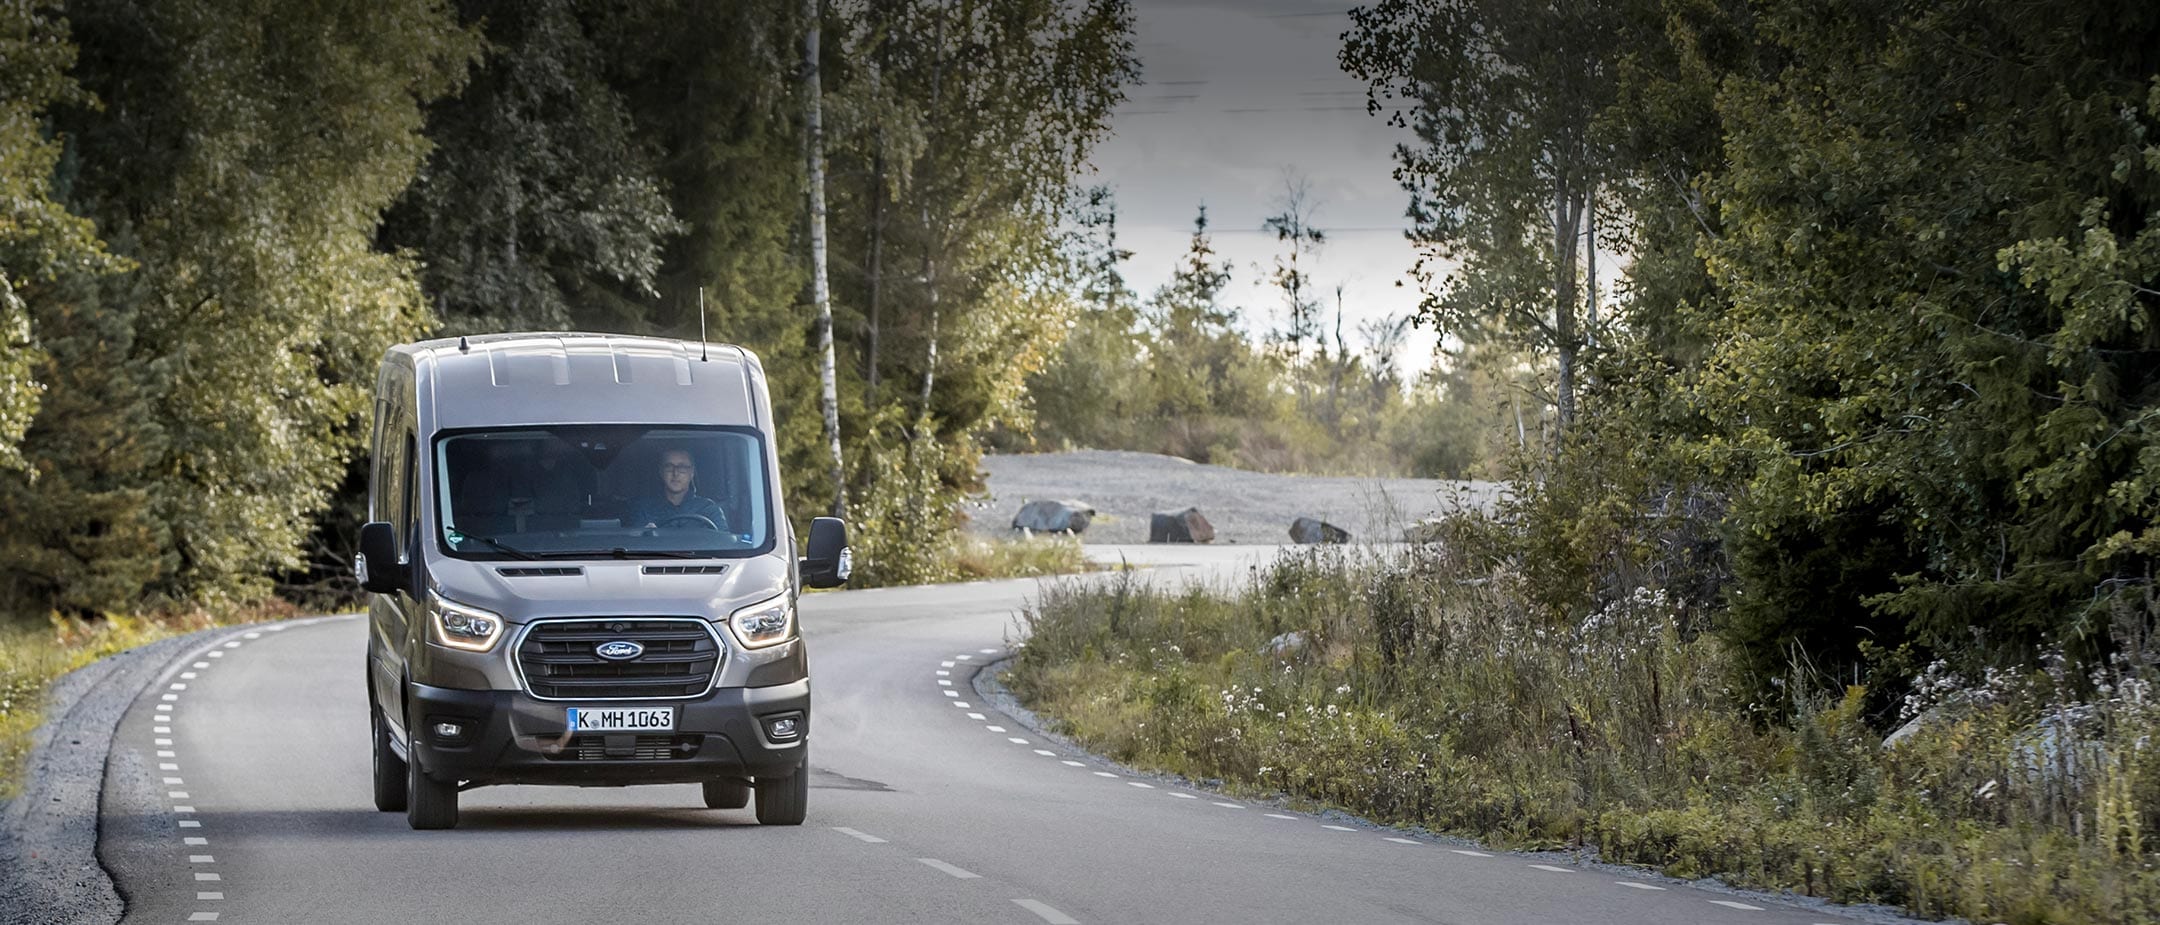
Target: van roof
x=498 y=380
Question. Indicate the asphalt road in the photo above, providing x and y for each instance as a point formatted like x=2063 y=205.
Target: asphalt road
x=238 y=792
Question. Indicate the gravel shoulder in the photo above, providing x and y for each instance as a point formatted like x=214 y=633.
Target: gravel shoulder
x=1244 y=507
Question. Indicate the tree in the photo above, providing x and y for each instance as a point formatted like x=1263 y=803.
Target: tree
x=39 y=239
x=1293 y=229
x=1503 y=98
x=245 y=152
x=537 y=209
x=820 y=291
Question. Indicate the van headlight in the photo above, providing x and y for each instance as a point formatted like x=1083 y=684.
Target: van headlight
x=765 y=623
x=462 y=627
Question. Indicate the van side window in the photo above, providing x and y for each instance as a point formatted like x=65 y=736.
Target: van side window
x=408 y=522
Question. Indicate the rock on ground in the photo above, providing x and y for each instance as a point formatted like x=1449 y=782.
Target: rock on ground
x=1126 y=489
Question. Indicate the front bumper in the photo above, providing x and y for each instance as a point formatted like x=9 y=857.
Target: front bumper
x=511 y=738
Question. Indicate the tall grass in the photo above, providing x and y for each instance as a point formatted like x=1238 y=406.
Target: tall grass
x=1413 y=688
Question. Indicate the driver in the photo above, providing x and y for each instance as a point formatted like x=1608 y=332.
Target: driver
x=678 y=498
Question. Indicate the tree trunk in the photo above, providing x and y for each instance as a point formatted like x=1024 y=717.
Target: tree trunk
x=1567 y=222
x=1590 y=222
x=929 y=372
x=877 y=232
x=820 y=292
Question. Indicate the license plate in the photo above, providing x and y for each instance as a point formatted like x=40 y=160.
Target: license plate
x=621 y=719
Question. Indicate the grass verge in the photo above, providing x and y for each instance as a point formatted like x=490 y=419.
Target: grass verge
x=33 y=657
x=1408 y=690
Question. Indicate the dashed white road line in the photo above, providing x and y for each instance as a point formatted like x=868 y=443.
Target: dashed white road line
x=963 y=657
x=1278 y=816
x=1071 y=763
x=947 y=663
x=1470 y=854
x=1141 y=785
x=1729 y=904
x=995 y=728
x=1048 y=914
x=987 y=651
x=1046 y=753
x=1338 y=828
x=202 y=917
x=950 y=693
x=1227 y=805
x=1016 y=740
x=195 y=842
x=950 y=869
x=190 y=824
x=1104 y=774
x=213 y=894
x=201 y=859
x=864 y=837
x=1404 y=841
x=208 y=878
x=1630 y=884
x=944 y=682
x=1183 y=796
x=962 y=704
x=976 y=716
x=1557 y=870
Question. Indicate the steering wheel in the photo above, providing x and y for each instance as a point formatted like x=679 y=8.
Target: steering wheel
x=690 y=520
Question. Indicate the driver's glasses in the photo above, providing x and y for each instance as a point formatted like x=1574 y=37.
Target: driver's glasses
x=684 y=468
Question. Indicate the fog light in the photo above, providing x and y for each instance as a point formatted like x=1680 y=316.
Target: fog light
x=449 y=731
x=783 y=728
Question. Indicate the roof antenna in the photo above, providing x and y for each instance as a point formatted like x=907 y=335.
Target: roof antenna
x=462 y=346
x=701 y=324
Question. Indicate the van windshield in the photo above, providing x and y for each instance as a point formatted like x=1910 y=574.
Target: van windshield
x=575 y=491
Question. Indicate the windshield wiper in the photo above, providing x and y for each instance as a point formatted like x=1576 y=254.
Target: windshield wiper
x=497 y=545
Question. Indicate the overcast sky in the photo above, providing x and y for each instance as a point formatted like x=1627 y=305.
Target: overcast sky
x=1234 y=94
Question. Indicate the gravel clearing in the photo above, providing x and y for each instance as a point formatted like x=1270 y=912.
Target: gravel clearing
x=1245 y=507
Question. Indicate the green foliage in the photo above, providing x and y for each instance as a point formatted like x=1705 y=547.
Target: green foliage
x=1176 y=375
x=39 y=240
x=240 y=155
x=537 y=210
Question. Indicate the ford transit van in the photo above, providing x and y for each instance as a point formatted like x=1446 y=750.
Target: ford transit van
x=581 y=572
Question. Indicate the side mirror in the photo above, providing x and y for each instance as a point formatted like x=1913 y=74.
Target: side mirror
x=377 y=566
x=828 y=560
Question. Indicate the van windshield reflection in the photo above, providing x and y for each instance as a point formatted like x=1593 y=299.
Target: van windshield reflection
x=622 y=491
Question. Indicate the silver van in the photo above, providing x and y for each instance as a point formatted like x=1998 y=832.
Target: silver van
x=582 y=572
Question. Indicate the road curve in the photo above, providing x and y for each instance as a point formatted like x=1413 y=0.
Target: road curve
x=237 y=792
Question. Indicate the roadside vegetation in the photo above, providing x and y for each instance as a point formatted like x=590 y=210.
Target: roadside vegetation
x=1855 y=426
x=1424 y=688
x=33 y=657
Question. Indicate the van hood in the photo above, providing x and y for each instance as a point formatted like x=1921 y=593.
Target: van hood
x=522 y=591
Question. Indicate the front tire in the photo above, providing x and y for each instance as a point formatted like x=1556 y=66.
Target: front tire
x=785 y=800
x=727 y=793
x=390 y=770
x=431 y=804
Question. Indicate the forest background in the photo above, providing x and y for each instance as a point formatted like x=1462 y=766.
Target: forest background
x=1864 y=396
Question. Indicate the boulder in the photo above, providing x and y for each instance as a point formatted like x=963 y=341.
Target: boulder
x=1313 y=530
x=1186 y=526
x=1054 y=517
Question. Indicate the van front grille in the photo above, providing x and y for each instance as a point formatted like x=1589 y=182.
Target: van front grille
x=561 y=661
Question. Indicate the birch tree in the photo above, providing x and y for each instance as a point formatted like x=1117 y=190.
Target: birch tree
x=820 y=289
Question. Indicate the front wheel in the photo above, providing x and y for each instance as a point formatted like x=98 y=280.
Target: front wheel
x=389 y=768
x=431 y=804
x=727 y=793
x=785 y=800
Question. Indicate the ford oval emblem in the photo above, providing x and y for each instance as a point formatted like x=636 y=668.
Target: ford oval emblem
x=621 y=650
